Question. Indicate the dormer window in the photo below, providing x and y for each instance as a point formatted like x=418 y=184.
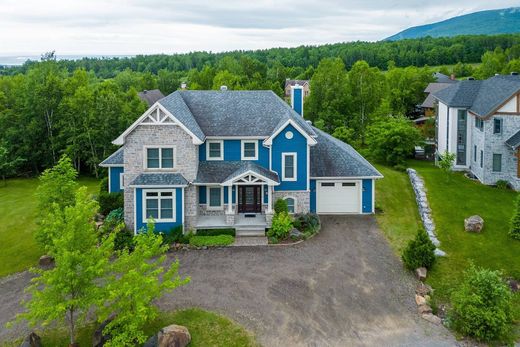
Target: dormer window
x=249 y=150
x=160 y=158
x=215 y=150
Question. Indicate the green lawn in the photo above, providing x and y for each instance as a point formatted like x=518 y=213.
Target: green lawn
x=206 y=329
x=18 y=222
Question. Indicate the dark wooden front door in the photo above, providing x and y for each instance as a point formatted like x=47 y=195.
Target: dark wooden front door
x=249 y=199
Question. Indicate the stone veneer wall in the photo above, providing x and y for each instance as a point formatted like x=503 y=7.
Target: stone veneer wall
x=303 y=199
x=186 y=163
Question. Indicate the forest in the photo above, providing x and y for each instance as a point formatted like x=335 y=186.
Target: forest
x=54 y=107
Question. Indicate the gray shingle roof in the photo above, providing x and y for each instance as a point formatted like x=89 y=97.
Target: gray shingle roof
x=150 y=96
x=481 y=97
x=432 y=88
x=220 y=171
x=116 y=158
x=514 y=141
x=159 y=179
x=334 y=158
x=442 y=78
x=232 y=113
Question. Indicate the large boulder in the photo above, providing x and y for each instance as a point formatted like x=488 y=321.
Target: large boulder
x=46 y=262
x=430 y=317
x=32 y=340
x=423 y=289
x=421 y=273
x=474 y=224
x=424 y=309
x=173 y=336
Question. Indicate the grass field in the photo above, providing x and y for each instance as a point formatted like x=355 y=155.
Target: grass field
x=18 y=211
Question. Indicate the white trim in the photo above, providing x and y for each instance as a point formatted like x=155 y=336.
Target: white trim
x=242 y=147
x=295 y=203
x=221 y=157
x=122 y=180
x=214 y=208
x=295 y=168
x=232 y=180
x=310 y=140
x=359 y=185
x=308 y=167
x=236 y=137
x=109 y=174
x=373 y=196
x=145 y=186
x=160 y=147
x=174 y=205
x=331 y=178
x=182 y=209
x=155 y=107
x=135 y=211
x=111 y=165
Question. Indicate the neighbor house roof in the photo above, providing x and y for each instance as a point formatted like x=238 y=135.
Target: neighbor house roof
x=294 y=82
x=514 y=141
x=432 y=88
x=480 y=97
x=442 y=78
x=150 y=96
x=115 y=159
x=331 y=157
x=159 y=179
x=221 y=171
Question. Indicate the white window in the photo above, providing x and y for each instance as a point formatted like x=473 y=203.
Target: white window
x=215 y=198
x=215 y=150
x=289 y=171
x=249 y=150
x=159 y=205
x=291 y=204
x=160 y=158
x=121 y=181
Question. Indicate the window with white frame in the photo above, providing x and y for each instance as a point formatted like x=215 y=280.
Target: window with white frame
x=160 y=157
x=289 y=166
x=121 y=181
x=249 y=150
x=215 y=150
x=215 y=198
x=291 y=204
x=159 y=205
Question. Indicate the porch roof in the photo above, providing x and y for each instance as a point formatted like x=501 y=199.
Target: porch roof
x=159 y=179
x=222 y=171
x=115 y=159
x=514 y=141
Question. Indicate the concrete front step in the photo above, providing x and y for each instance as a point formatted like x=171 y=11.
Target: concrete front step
x=250 y=241
x=249 y=232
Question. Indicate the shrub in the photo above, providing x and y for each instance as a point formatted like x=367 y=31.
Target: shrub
x=282 y=224
x=103 y=185
x=446 y=161
x=116 y=216
x=110 y=201
x=481 y=306
x=419 y=252
x=514 y=232
x=280 y=205
x=502 y=184
x=214 y=232
x=218 y=240
x=124 y=239
x=174 y=235
x=308 y=222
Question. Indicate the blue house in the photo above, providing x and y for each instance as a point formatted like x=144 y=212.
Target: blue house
x=214 y=159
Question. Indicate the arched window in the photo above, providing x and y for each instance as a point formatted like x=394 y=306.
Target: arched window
x=291 y=204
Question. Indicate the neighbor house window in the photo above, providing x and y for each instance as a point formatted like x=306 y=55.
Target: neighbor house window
x=479 y=123
x=475 y=153
x=159 y=205
x=481 y=158
x=497 y=126
x=289 y=166
x=215 y=150
x=497 y=162
x=160 y=157
x=291 y=205
x=249 y=150
x=215 y=198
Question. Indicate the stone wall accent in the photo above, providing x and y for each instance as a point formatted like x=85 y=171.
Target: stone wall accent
x=424 y=208
x=303 y=199
x=269 y=219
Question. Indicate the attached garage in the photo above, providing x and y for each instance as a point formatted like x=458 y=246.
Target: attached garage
x=338 y=197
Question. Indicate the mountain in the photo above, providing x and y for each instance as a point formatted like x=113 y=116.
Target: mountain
x=503 y=21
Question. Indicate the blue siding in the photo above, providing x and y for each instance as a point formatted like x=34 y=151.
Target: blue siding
x=368 y=185
x=164 y=227
x=115 y=181
x=313 y=196
x=202 y=194
x=233 y=152
x=298 y=100
x=297 y=144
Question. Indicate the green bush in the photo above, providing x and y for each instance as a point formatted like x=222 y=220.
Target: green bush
x=174 y=235
x=282 y=224
x=481 y=306
x=116 y=216
x=502 y=184
x=124 y=239
x=218 y=240
x=215 y=232
x=514 y=232
x=109 y=202
x=103 y=185
x=419 y=252
x=307 y=222
x=280 y=205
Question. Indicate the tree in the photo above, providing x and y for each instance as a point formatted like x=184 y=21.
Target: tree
x=419 y=252
x=514 y=231
x=8 y=166
x=446 y=161
x=69 y=290
x=492 y=63
x=406 y=88
x=228 y=79
x=344 y=134
x=137 y=279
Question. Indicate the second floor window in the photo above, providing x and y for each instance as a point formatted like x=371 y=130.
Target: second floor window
x=497 y=126
x=160 y=158
x=215 y=150
x=289 y=166
x=249 y=150
x=479 y=123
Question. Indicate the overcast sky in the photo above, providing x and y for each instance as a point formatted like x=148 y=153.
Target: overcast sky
x=118 y=27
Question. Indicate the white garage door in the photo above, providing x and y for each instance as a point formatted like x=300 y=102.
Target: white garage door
x=338 y=197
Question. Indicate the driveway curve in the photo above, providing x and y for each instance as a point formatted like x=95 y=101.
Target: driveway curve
x=344 y=287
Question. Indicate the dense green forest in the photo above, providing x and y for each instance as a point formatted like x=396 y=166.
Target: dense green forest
x=52 y=107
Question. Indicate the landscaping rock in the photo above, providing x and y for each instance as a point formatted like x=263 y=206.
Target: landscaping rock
x=474 y=224
x=439 y=253
x=420 y=300
x=46 y=261
x=173 y=336
x=423 y=289
x=32 y=340
x=421 y=273
x=295 y=233
x=98 y=338
x=99 y=224
x=430 y=317
x=514 y=285
x=424 y=309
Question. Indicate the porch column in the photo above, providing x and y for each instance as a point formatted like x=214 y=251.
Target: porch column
x=230 y=199
x=269 y=199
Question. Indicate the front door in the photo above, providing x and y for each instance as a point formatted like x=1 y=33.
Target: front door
x=249 y=199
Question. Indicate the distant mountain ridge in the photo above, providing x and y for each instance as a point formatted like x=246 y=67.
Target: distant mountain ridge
x=490 y=22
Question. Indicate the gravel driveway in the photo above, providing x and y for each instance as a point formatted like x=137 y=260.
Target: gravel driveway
x=344 y=287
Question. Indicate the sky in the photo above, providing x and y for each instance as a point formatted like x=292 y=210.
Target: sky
x=118 y=27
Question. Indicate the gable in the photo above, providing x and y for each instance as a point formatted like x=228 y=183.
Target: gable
x=510 y=106
x=310 y=140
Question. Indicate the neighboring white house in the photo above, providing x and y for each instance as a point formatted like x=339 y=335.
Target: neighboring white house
x=479 y=121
